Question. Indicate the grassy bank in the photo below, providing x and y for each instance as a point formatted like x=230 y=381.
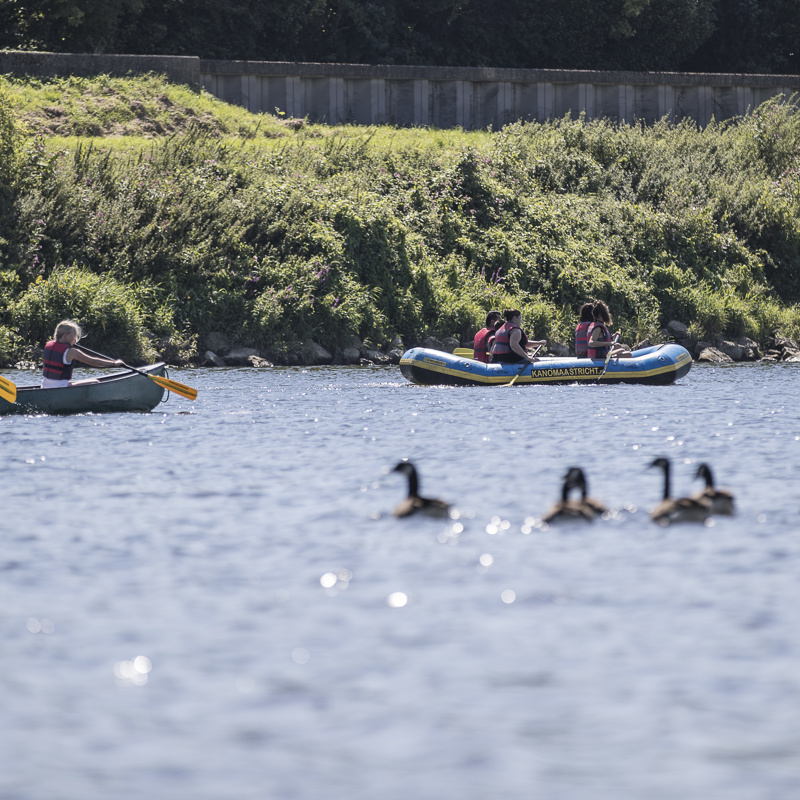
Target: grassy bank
x=156 y=215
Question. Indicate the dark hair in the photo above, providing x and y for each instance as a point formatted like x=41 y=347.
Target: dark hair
x=493 y=316
x=587 y=312
x=510 y=313
x=601 y=312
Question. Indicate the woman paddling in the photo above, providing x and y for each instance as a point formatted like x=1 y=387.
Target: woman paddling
x=59 y=355
x=510 y=341
x=600 y=339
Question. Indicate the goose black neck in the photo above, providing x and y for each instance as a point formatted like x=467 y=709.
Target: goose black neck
x=665 y=467
x=413 y=482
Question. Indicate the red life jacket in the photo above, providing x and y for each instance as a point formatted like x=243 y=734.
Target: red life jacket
x=605 y=336
x=54 y=366
x=480 y=345
x=581 y=339
x=502 y=343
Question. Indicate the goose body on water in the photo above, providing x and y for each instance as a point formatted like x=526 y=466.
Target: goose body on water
x=565 y=509
x=578 y=478
x=677 y=509
x=414 y=504
x=721 y=499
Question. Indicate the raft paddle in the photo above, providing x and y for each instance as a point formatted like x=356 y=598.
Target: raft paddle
x=524 y=364
x=8 y=390
x=608 y=356
x=173 y=386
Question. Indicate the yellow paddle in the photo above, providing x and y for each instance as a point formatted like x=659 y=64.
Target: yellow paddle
x=8 y=390
x=524 y=364
x=464 y=352
x=608 y=356
x=173 y=386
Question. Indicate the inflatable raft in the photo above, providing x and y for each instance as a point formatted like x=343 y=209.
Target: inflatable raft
x=660 y=365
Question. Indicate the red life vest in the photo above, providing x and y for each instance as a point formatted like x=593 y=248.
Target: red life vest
x=480 y=345
x=605 y=336
x=581 y=339
x=54 y=366
x=502 y=344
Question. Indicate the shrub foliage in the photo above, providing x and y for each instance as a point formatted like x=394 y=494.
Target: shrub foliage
x=325 y=233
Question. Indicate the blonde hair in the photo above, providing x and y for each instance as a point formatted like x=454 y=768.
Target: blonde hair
x=67 y=326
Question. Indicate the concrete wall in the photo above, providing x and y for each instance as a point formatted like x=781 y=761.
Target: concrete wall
x=178 y=69
x=442 y=97
x=473 y=98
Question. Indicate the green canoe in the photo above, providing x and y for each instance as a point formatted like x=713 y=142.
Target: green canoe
x=119 y=391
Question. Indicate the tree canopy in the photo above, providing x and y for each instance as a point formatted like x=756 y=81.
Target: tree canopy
x=755 y=36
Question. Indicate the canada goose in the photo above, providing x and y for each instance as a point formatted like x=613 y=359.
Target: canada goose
x=578 y=478
x=414 y=504
x=679 y=509
x=565 y=509
x=721 y=499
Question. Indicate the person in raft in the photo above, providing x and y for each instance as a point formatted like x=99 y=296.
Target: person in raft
x=585 y=319
x=60 y=353
x=510 y=341
x=600 y=338
x=484 y=338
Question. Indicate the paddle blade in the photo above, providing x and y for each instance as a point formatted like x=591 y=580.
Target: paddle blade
x=524 y=364
x=608 y=356
x=8 y=390
x=173 y=386
x=464 y=352
x=514 y=379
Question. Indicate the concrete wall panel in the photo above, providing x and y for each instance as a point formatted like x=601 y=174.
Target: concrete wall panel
x=725 y=103
x=526 y=101
x=688 y=104
x=358 y=101
x=546 y=102
x=400 y=105
x=444 y=104
x=645 y=103
x=423 y=103
x=274 y=95
x=567 y=100
x=317 y=99
x=485 y=109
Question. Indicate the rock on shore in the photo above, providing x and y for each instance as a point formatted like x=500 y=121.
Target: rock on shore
x=220 y=351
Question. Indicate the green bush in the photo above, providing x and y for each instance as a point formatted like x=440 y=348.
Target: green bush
x=11 y=346
x=107 y=311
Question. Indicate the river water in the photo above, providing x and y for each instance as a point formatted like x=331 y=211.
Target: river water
x=213 y=601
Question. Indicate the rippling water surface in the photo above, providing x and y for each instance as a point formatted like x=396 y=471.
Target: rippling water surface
x=214 y=600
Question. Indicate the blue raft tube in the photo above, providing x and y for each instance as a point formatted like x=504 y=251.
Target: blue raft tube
x=659 y=365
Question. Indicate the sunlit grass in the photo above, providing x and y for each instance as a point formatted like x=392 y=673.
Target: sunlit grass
x=128 y=113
